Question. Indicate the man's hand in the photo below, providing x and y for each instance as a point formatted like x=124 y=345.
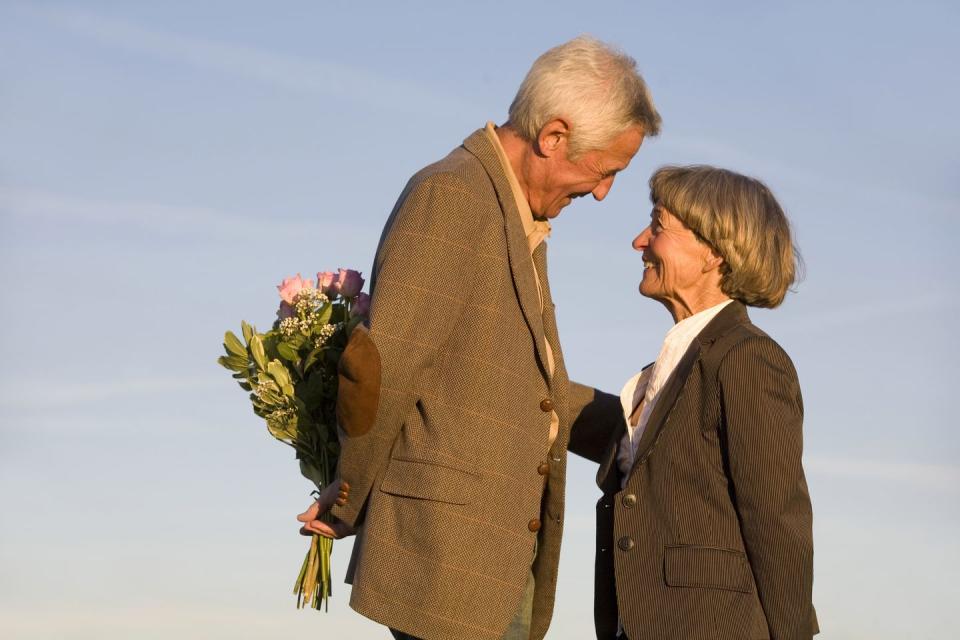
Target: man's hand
x=312 y=523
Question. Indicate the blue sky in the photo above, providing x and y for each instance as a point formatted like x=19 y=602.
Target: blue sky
x=164 y=165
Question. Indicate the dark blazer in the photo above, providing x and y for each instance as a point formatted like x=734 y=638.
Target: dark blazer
x=451 y=475
x=712 y=536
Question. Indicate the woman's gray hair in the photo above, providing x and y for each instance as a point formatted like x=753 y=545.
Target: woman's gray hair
x=741 y=220
x=592 y=86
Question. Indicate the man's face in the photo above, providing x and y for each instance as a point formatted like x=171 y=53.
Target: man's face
x=593 y=172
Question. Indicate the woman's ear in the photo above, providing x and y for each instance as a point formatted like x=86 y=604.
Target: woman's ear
x=713 y=261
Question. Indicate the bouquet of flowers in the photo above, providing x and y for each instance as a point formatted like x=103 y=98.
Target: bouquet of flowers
x=291 y=375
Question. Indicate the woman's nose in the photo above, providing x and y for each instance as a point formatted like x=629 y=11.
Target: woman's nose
x=641 y=241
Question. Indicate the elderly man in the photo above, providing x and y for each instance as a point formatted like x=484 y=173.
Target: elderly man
x=455 y=408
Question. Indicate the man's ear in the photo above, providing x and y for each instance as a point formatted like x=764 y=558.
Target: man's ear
x=553 y=138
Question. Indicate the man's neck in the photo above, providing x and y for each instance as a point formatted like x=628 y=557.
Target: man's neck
x=516 y=150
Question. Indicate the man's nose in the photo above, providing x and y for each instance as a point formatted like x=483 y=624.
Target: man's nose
x=601 y=190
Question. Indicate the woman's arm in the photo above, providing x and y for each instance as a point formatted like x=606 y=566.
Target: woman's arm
x=763 y=416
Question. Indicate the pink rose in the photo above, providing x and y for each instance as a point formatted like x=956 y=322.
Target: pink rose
x=361 y=306
x=285 y=311
x=325 y=280
x=348 y=283
x=290 y=287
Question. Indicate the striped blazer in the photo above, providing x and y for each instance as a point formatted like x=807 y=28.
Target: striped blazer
x=712 y=535
x=451 y=475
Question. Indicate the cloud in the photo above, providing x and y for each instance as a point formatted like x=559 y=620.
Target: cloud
x=853 y=315
x=124 y=617
x=926 y=476
x=284 y=71
x=36 y=205
x=818 y=190
x=59 y=394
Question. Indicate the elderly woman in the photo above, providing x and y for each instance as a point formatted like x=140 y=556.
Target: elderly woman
x=704 y=528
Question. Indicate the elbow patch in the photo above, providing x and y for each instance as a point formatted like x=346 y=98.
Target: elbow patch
x=358 y=390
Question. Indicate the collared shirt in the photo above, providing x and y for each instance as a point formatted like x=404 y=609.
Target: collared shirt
x=536 y=231
x=643 y=390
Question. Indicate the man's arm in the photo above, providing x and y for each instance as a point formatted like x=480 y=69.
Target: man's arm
x=595 y=417
x=763 y=412
x=426 y=262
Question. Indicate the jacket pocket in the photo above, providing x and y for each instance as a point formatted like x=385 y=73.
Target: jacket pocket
x=430 y=480
x=707 y=567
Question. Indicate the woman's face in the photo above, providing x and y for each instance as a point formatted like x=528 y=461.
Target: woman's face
x=678 y=269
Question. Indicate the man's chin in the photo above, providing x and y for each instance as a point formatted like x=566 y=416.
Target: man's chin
x=553 y=212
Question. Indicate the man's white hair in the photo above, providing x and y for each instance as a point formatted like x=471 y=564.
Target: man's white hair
x=595 y=88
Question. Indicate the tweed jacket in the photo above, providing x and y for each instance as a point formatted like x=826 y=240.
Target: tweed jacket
x=452 y=478
x=712 y=535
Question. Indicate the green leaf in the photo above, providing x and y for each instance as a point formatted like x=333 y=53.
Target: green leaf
x=270 y=398
x=333 y=356
x=256 y=350
x=247 y=331
x=312 y=358
x=270 y=340
x=279 y=373
x=233 y=345
x=299 y=404
x=235 y=363
x=311 y=391
x=296 y=341
x=287 y=352
x=325 y=313
x=285 y=430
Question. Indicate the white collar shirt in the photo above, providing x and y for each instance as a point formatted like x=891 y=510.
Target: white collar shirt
x=643 y=389
x=536 y=232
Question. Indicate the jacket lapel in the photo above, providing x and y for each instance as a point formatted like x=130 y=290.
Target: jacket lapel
x=609 y=456
x=665 y=402
x=518 y=251
x=731 y=316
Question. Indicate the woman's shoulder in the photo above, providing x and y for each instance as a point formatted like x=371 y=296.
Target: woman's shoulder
x=746 y=346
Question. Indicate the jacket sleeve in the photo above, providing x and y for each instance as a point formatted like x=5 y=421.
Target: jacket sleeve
x=595 y=417
x=763 y=415
x=424 y=268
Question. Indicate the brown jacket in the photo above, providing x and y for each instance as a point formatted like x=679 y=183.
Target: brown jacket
x=712 y=536
x=451 y=475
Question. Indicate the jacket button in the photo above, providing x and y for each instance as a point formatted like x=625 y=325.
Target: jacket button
x=534 y=525
x=546 y=405
x=543 y=468
x=629 y=501
x=625 y=543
